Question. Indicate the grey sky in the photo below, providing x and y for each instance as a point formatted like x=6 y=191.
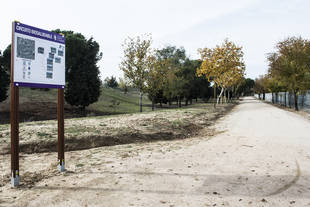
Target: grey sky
x=257 y=25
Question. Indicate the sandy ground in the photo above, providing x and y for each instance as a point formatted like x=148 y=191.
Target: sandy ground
x=260 y=158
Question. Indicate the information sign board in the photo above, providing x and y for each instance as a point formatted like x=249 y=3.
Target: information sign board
x=39 y=57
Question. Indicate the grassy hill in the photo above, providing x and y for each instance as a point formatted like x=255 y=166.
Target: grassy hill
x=114 y=101
x=42 y=105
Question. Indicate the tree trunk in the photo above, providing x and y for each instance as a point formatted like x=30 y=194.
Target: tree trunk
x=219 y=97
x=161 y=104
x=259 y=96
x=264 y=96
x=190 y=101
x=214 y=91
x=186 y=102
x=169 y=102
x=180 y=103
x=285 y=99
x=153 y=103
x=228 y=96
x=83 y=110
x=140 y=101
x=296 y=100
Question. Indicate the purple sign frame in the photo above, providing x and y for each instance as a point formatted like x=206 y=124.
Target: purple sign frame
x=38 y=33
x=37 y=85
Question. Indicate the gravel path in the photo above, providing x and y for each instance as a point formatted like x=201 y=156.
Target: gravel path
x=260 y=158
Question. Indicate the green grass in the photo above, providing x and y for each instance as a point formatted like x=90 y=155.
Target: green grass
x=111 y=101
x=29 y=95
x=33 y=104
x=114 y=101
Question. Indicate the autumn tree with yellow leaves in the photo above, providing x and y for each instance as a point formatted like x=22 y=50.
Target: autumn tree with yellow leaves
x=136 y=62
x=156 y=77
x=223 y=65
x=289 y=67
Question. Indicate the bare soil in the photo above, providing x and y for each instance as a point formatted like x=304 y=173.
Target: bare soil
x=260 y=156
x=85 y=133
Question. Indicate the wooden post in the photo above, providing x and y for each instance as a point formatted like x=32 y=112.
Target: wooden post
x=61 y=131
x=14 y=136
x=14 y=102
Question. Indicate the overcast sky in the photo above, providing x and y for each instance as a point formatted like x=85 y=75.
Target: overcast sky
x=257 y=25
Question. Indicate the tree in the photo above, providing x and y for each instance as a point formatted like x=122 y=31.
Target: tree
x=155 y=78
x=259 y=86
x=123 y=84
x=194 y=86
x=4 y=78
x=174 y=82
x=289 y=66
x=111 y=82
x=136 y=62
x=223 y=65
x=245 y=87
x=82 y=73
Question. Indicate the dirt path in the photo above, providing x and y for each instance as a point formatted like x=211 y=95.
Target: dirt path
x=261 y=158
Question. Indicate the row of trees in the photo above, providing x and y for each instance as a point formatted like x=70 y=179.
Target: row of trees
x=166 y=74
x=82 y=73
x=289 y=69
x=169 y=75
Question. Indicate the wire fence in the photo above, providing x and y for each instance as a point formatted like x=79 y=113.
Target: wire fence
x=287 y=99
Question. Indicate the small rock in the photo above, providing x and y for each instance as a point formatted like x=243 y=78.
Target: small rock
x=292 y=202
x=215 y=193
x=240 y=199
x=264 y=200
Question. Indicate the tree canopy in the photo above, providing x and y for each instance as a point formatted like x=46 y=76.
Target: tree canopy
x=4 y=78
x=289 y=67
x=111 y=82
x=223 y=65
x=82 y=73
x=136 y=61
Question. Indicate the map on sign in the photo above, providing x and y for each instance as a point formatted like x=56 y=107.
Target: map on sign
x=39 y=57
x=25 y=48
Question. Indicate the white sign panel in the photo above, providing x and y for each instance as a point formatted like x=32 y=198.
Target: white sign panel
x=39 y=57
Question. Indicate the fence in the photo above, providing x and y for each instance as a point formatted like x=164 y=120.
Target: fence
x=287 y=99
